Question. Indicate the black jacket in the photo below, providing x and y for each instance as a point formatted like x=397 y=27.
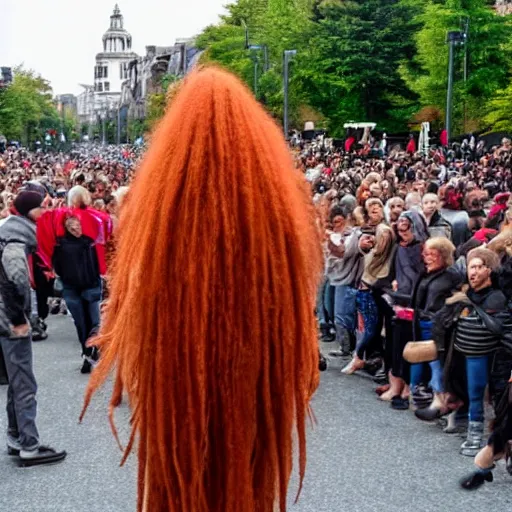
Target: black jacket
x=431 y=293
x=439 y=226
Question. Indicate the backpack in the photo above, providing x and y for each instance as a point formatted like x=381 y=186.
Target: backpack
x=76 y=262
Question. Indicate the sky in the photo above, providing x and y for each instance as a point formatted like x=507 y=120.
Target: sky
x=59 y=39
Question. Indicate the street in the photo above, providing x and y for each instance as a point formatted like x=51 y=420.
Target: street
x=363 y=456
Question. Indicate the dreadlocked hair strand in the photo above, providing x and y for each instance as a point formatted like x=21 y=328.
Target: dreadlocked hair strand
x=210 y=325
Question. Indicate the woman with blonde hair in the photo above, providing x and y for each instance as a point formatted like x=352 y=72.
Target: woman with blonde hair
x=79 y=197
x=436 y=285
x=221 y=362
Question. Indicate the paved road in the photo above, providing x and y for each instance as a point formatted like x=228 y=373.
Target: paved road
x=363 y=456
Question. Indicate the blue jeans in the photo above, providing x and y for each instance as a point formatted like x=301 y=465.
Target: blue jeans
x=84 y=306
x=418 y=370
x=477 y=370
x=345 y=307
x=366 y=305
x=325 y=304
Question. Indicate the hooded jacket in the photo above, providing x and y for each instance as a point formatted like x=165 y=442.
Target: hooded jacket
x=18 y=241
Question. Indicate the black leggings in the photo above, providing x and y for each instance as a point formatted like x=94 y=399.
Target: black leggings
x=402 y=334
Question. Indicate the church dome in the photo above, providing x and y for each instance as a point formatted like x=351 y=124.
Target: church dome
x=117 y=39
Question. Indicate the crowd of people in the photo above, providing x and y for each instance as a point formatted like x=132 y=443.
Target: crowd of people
x=59 y=214
x=417 y=287
x=418 y=281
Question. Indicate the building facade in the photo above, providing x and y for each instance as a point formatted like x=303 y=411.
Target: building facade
x=110 y=71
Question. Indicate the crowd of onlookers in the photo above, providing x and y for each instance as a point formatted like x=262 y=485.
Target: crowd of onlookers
x=418 y=280
x=59 y=216
x=418 y=268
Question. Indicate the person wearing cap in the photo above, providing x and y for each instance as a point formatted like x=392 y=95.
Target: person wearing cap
x=17 y=245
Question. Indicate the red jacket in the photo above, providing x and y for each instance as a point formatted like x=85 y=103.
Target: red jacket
x=411 y=146
x=50 y=226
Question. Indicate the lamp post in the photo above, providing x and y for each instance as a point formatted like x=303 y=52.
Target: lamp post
x=288 y=55
x=454 y=38
x=246 y=29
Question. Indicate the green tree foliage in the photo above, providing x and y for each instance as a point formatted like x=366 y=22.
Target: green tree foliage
x=499 y=115
x=277 y=24
x=356 y=51
x=489 y=54
x=27 y=109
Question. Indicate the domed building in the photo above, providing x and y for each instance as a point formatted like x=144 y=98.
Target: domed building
x=111 y=68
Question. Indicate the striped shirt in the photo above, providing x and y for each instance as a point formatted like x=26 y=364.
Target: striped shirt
x=472 y=337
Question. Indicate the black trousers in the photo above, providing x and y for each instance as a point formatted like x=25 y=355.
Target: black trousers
x=44 y=290
x=402 y=334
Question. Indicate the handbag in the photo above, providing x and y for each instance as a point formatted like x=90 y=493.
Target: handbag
x=58 y=287
x=420 y=351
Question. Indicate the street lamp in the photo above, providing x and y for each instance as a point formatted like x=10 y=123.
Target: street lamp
x=264 y=49
x=454 y=38
x=288 y=55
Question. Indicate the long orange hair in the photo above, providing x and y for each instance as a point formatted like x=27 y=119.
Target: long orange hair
x=210 y=325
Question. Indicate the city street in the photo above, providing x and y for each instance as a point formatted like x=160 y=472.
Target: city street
x=363 y=456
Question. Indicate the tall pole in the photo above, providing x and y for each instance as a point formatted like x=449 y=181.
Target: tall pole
x=256 y=78
x=287 y=55
x=449 y=93
x=244 y=24
x=454 y=37
x=265 y=53
x=118 y=124
x=465 y=35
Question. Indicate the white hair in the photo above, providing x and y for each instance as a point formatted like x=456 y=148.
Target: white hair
x=120 y=195
x=79 y=197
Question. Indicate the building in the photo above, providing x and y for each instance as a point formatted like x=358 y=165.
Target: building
x=123 y=81
x=67 y=104
x=100 y=99
x=111 y=68
x=146 y=74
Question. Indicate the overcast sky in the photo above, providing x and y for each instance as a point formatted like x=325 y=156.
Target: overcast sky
x=60 y=38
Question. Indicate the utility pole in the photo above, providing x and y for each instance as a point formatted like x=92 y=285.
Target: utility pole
x=118 y=124
x=246 y=34
x=256 y=77
x=288 y=54
x=465 y=36
x=256 y=48
x=454 y=38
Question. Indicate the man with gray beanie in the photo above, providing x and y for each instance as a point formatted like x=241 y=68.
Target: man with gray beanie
x=17 y=245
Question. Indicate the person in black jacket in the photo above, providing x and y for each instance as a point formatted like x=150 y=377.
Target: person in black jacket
x=463 y=328
x=76 y=263
x=436 y=285
x=437 y=224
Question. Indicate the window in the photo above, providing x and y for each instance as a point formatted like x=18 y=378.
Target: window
x=105 y=71
x=107 y=86
x=121 y=70
x=100 y=87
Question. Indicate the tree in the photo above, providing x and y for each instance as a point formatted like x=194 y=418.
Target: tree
x=277 y=25
x=353 y=73
x=499 y=118
x=26 y=107
x=489 y=53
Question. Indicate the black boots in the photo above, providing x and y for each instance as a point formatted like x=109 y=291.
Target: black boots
x=476 y=479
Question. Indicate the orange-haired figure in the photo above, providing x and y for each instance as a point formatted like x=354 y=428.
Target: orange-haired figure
x=218 y=242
